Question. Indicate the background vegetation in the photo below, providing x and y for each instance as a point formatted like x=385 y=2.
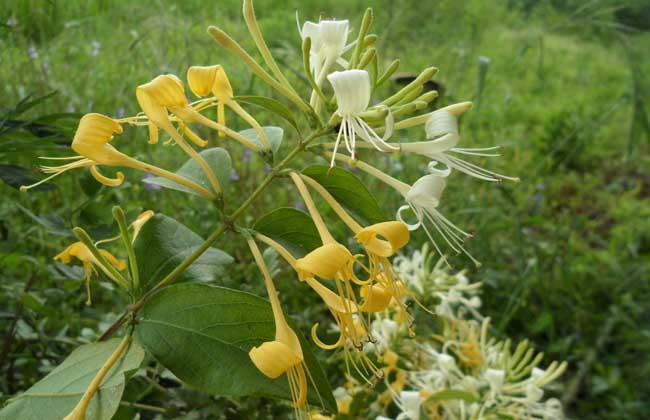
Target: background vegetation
x=565 y=86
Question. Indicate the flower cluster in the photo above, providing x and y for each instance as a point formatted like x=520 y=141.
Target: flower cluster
x=366 y=292
x=458 y=370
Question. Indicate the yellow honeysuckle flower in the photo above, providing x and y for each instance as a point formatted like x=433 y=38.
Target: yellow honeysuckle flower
x=284 y=353
x=165 y=94
x=376 y=298
x=340 y=307
x=352 y=328
x=384 y=239
x=213 y=79
x=381 y=241
x=81 y=252
x=140 y=220
x=92 y=141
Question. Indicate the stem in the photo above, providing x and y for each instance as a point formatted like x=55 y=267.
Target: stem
x=228 y=221
x=119 y=216
x=79 y=412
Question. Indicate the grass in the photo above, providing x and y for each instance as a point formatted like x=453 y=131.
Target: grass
x=565 y=252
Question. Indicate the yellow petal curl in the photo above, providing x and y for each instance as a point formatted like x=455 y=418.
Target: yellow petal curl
x=210 y=79
x=377 y=298
x=384 y=239
x=325 y=261
x=92 y=138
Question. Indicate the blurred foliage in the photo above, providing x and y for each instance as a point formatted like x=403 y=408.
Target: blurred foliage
x=563 y=85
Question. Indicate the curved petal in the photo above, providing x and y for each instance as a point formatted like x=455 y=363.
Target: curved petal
x=384 y=239
x=273 y=358
x=201 y=79
x=426 y=191
x=352 y=91
x=376 y=298
x=326 y=262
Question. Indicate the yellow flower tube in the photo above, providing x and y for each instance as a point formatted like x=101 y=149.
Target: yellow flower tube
x=92 y=141
x=284 y=354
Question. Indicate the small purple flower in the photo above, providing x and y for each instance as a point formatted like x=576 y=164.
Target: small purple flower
x=12 y=21
x=32 y=52
x=152 y=187
x=234 y=176
x=299 y=205
x=248 y=154
x=95 y=48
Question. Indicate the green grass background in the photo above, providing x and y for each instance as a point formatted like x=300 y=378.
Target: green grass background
x=566 y=90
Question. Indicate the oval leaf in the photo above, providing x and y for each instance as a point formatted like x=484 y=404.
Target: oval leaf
x=163 y=243
x=54 y=396
x=349 y=191
x=217 y=158
x=203 y=335
x=274 y=134
x=292 y=228
x=272 y=105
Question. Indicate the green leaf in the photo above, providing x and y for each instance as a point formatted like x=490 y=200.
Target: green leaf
x=292 y=228
x=453 y=394
x=274 y=134
x=163 y=243
x=218 y=159
x=349 y=191
x=54 y=396
x=272 y=105
x=51 y=222
x=16 y=176
x=203 y=335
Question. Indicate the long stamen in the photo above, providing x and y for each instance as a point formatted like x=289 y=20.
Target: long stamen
x=58 y=170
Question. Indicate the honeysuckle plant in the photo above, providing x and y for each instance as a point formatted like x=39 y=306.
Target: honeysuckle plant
x=227 y=341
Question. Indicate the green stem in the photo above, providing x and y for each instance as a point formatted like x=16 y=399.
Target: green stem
x=228 y=222
x=119 y=216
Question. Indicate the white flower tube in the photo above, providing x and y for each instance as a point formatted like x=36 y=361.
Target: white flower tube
x=352 y=92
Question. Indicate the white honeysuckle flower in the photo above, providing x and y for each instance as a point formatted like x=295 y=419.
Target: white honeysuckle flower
x=328 y=42
x=352 y=92
x=534 y=393
x=409 y=402
x=495 y=377
x=423 y=198
x=442 y=132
